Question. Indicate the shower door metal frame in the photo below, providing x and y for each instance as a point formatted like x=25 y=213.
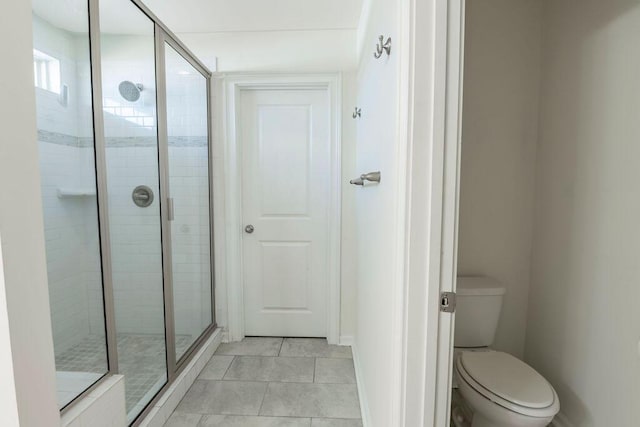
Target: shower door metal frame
x=163 y=39
x=102 y=203
x=175 y=367
x=100 y=150
x=95 y=65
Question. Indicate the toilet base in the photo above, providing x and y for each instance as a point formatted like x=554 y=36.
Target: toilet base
x=480 y=421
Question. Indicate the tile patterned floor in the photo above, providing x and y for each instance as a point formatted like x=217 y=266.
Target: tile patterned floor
x=273 y=382
x=141 y=359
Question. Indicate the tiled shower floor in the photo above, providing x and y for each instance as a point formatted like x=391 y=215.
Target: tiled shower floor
x=141 y=360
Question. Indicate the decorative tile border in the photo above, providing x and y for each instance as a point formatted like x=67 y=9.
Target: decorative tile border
x=58 y=138
x=119 y=142
x=188 y=141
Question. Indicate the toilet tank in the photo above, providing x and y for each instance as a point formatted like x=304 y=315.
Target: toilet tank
x=478 y=305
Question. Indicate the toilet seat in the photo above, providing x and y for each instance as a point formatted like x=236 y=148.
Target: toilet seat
x=508 y=382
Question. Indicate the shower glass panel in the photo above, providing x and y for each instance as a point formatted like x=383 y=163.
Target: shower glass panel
x=130 y=120
x=188 y=154
x=62 y=77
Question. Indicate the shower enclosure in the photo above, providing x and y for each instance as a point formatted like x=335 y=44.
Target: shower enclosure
x=124 y=139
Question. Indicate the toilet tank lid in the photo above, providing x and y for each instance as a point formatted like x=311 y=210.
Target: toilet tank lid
x=478 y=285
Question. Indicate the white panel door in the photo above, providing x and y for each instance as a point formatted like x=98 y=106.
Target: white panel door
x=285 y=137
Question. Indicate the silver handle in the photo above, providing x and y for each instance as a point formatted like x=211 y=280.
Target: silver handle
x=171 y=212
x=142 y=196
x=371 y=177
x=249 y=229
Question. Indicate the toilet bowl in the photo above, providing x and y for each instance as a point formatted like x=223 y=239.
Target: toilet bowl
x=503 y=391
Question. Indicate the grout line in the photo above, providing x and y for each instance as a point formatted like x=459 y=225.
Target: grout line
x=228 y=367
x=315 y=361
x=266 y=390
x=281 y=344
x=276 y=382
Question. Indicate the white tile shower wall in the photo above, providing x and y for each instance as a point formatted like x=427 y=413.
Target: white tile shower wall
x=189 y=183
x=132 y=157
x=186 y=104
x=71 y=242
x=128 y=58
x=51 y=114
x=190 y=237
x=135 y=238
x=70 y=224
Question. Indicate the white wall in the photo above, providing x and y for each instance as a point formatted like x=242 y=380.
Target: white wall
x=349 y=271
x=316 y=51
x=21 y=227
x=378 y=149
x=8 y=401
x=584 y=322
x=499 y=138
x=310 y=51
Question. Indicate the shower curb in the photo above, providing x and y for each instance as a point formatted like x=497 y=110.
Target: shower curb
x=165 y=406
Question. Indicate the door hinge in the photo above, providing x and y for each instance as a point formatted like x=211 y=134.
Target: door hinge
x=448 y=302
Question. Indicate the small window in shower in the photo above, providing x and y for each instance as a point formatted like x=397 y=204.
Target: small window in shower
x=46 y=71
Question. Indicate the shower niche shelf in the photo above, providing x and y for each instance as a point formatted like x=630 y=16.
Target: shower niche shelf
x=75 y=193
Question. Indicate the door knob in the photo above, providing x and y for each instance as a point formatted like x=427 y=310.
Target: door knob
x=249 y=229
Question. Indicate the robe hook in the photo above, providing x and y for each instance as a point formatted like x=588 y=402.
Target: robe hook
x=382 y=46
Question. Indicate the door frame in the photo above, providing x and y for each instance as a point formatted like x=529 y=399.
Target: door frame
x=233 y=87
x=431 y=115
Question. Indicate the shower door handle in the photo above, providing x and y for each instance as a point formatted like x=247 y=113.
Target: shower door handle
x=170 y=211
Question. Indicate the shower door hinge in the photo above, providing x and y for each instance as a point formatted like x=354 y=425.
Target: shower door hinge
x=448 y=302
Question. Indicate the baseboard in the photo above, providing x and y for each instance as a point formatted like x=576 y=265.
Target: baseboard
x=346 y=340
x=364 y=403
x=165 y=406
x=561 y=420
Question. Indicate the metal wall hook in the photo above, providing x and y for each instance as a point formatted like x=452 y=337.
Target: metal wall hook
x=357 y=113
x=382 y=46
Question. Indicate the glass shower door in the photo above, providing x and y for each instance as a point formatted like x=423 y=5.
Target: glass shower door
x=188 y=188
x=66 y=145
x=133 y=175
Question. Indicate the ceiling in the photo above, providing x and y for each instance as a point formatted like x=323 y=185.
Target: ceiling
x=205 y=16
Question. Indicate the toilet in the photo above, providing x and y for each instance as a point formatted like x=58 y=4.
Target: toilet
x=500 y=389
